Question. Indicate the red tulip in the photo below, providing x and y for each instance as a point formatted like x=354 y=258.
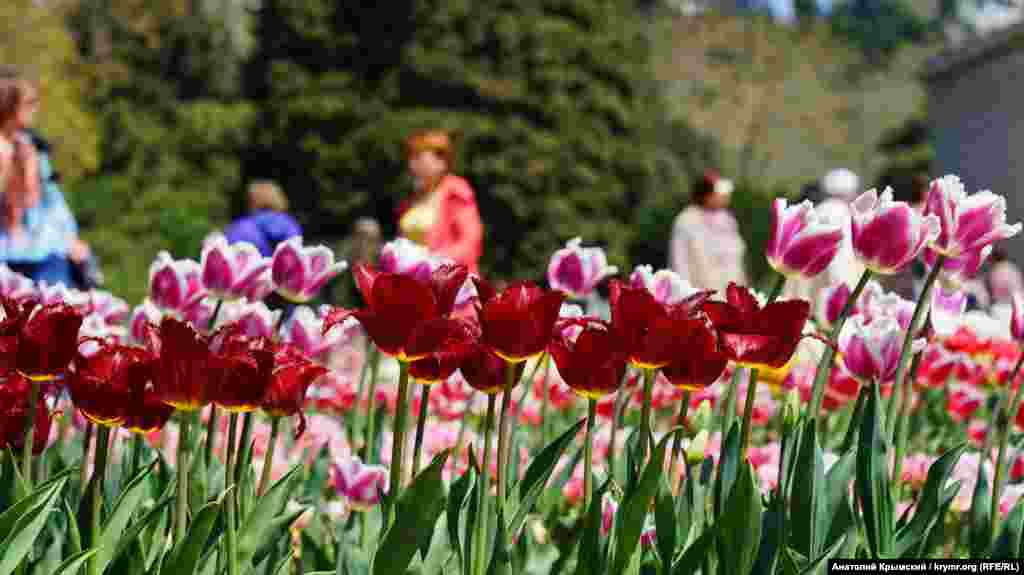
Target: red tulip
x=148 y=413
x=400 y=309
x=652 y=333
x=106 y=381
x=243 y=367
x=457 y=338
x=185 y=371
x=701 y=364
x=38 y=341
x=292 y=375
x=14 y=409
x=485 y=371
x=754 y=336
x=517 y=323
x=594 y=364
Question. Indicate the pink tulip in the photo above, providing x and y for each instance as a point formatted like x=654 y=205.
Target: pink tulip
x=143 y=314
x=577 y=270
x=958 y=269
x=888 y=235
x=230 y=271
x=300 y=272
x=803 y=242
x=947 y=310
x=1017 y=317
x=59 y=293
x=15 y=285
x=109 y=307
x=305 y=331
x=253 y=317
x=889 y=305
x=871 y=351
x=968 y=222
x=403 y=256
x=174 y=285
x=362 y=485
x=665 y=285
x=609 y=508
x=831 y=304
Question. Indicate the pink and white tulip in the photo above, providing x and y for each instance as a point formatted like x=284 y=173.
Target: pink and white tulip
x=803 y=242
x=299 y=272
x=887 y=235
x=665 y=285
x=1017 y=317
x=305 y=331
x=362 y=485
x=831 y=304
x=947 y=310
x=871 y=351
x=253 y=317
x=959 y=269
x=968 y=223
x=143 y=314
x=108 y=306
x=577 y=270
x=174 y=284
x=403 y=256
x=15 y=285
x=230 y=270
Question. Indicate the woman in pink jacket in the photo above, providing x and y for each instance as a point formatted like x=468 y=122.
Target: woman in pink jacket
x=441 y=214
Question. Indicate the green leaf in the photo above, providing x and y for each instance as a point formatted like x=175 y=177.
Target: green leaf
x=1009 y=540
x=151 y=516
x=74 y=536
x=928 y=511
x=872 y=482
x=629 y=521
x=739 y=536
x=728 y=464
x=809 y=500
x=501 y=560
x=773 y=531
x=853 y=431
x=72 y=564
x=470 y=529
x=24 y=521
x=692 y=559
x=590 y=561
x=258 y=528
x=538 y=473
x=184 y=558
x=665 y=523
x=456 y=500
x=981 y=528
x=419 y=506
x=812 y=566
x=121 y=514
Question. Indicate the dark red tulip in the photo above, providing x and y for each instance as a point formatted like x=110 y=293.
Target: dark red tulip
x=243 y=368
x=293 y=374
x=148 y=413
x=754 y=336
x=185 y=371
x=458 y=338
x=14 y=410
x=594 y=364
x=653 y=334
x=38 y=341
x=703 y=362
x=486 y=372
x=400 y=307
x=517 y=323
x=106 y=380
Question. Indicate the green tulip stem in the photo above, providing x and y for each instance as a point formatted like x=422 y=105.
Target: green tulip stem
x=645 y=411
x=30 y=435
x=677 y=441
x=229 y=484
x=421 y=423
x=371 y=406
x=268 y=458
x=181 y=516
x=902 y=425
x=98 y=474
x=211 y=423
x=588 y=455
x=483 y=487
x=398 y=444
x=1003 y=428
x=504 y=427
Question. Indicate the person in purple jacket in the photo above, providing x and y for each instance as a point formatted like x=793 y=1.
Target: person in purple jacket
x=267 y=223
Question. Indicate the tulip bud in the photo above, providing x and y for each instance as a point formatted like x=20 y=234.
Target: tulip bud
x=577 y=270
x=791 y=408
x=701 y=419
x=803 y=241
x=695 y=450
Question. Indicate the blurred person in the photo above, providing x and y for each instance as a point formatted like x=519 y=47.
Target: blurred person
x=706 y=248
x=1004 y=278
x=38 y=236
x=840 y=187
x=441 y=213
x=267 y=223
x=362 y=246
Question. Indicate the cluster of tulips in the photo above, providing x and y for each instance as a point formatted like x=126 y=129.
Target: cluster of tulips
x=677 y=383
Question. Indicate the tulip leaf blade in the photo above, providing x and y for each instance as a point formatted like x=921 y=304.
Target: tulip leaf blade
x=1008 y=543
x=185 y=557
x=128 y=537
x=73 y=563
x=630 y=517
x=691 y=559
x=590 y=560
x=122 y=512
x=872 y=477
x=418 y=508
x=809 y=500
x=665 y=523
x=728 y=466
x=456 y=500
x=501 y=559
x=739 y=536
x=929 y=506
x=25 y=520
x=259 y=525
x=981 y=503
x=538 y=474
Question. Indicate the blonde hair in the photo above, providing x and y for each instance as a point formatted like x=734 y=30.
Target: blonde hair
x=266 y=195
